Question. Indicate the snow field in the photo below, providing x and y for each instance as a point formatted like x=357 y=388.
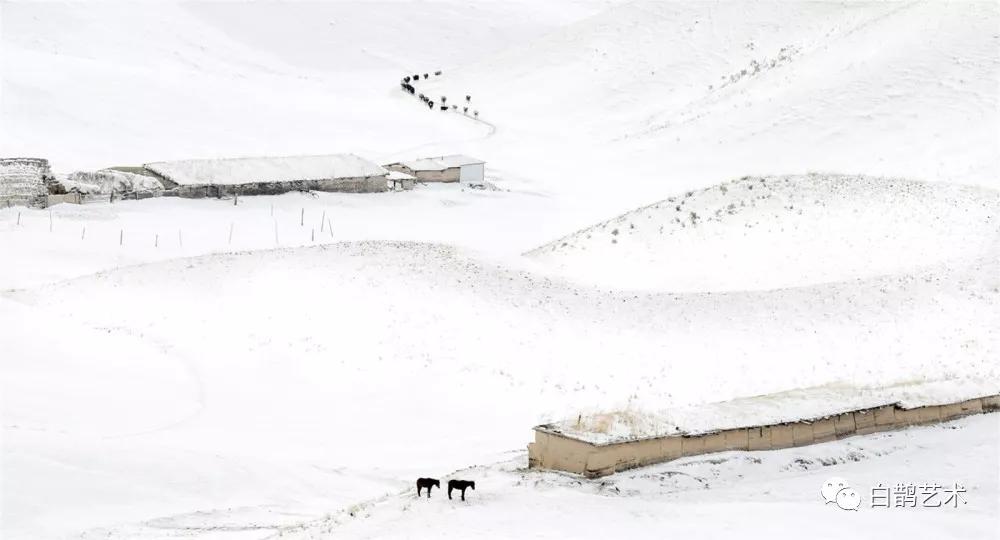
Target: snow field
x=248 y=388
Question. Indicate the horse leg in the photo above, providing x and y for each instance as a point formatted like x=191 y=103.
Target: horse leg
x=463 y=494
x=449 y=493
x=418 y=490
x=429 y=491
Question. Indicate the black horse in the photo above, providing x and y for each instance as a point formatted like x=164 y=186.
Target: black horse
x=460 y=485
x=427 y=483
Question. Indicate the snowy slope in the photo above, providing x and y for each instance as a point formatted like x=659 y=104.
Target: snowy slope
x=784 y=231
x=733 y=494
x=295 y=352
x=177 y=368
x=656 y=97
x=92 y=85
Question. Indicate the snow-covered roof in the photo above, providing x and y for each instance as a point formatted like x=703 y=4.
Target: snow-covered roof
x=232 y=171
x=396 y=175
x=441 y=163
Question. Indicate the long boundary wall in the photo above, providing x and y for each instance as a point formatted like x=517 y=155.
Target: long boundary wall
x=552 y=450
x=361 y=184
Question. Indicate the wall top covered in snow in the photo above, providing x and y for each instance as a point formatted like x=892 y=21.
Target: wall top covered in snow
x=805 y=404
x=441 y=163
x=265 y=169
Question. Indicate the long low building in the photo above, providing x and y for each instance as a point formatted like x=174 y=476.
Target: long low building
x=599 y=445
x=453 y=168
x=270 y=175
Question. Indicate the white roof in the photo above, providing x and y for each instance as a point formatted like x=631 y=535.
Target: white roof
x=265 y=169
x=441 y=163
x=396 y=175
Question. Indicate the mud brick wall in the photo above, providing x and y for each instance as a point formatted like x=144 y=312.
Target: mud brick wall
x=559 y=452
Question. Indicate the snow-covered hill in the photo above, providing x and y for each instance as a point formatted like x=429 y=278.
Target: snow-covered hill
x=91 y=85
x=782 y=231
x=194 y=368
x=659 y=97
x=283 y=359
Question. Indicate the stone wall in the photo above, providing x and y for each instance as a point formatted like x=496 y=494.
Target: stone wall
x=23 y=182
x=365 y=184
x=559 y=452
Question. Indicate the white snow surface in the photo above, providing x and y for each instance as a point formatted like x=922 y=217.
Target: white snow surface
x=265 y=169
x=289 y=365
x=776 y=408
x=108 y=181
x=396 y=175
x=440 y=163
x=782 y=231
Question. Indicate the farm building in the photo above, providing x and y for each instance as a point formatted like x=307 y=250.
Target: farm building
x=24 y=182
x=270 y=175
x=454 y=168
x=604 y=444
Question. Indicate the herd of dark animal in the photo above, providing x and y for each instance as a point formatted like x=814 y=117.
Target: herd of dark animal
x=459 y=485
x=410 y=89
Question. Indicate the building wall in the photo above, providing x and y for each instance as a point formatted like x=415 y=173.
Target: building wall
x=73 y=198
x=366 y=184
x=23 y=182
x=447 y=175
x=453 y=174
x=472 y=174
x=555 y=451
